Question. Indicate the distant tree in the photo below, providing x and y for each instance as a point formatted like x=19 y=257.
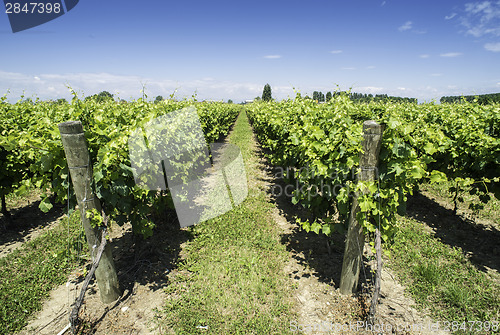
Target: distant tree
x=328 y=96
x=266 y=93
x=257 y=99
x=316 y=95
x=230 y=101
x=321 y=97
x=105 y=95
x=61 y=101
x=101 y=97
x=158 y=99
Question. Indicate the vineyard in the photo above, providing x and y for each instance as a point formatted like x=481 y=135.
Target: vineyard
x=312 y=149
x=32 y=152
x=319 y=146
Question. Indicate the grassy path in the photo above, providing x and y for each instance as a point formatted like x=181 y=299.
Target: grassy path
x=231 y=279
x=29 y=273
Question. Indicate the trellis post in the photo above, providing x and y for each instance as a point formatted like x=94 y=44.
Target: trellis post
x=80 y=167
x=355 y=241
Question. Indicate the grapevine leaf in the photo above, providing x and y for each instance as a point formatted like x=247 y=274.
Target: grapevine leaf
x=438 y=177
x=326 y=229
x=45 y=205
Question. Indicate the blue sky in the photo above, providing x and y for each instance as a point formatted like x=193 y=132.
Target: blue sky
x=230 y=49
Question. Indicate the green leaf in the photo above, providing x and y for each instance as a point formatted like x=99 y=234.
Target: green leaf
x=326 y=229
x=316 y=227
x=22 y=190
x=46 y=161
x=318 y=133
x=417 y=172
x=366 y=205
x=98 y=175
x=438 y=177
x=45 y=205
x=429 y=148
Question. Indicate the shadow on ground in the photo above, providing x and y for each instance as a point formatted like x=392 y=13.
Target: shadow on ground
x=321 y=254
x=24 y=220
x=142 y=267
x=481 y=243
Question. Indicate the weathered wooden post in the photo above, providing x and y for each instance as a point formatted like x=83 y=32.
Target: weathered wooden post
x=80 y=167
x=355 y=241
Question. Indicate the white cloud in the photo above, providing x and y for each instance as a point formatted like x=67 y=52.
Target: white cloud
x=383 y=3
x=407 y=26
x=402 y=88
x=336 y=51
x=424 y=56
x=53 y=86
x=348 y=68
x=370 y=67
x=495 y=47
x=451 y=16
x=369 y=89
x=451 y=54
x=272 y=56
x=482 y=18
x=436 y=74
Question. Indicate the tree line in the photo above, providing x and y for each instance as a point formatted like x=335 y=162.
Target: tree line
x=482 y=99
x=359 y=97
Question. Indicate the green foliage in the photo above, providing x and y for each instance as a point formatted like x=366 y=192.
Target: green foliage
x=266 y=94
x=31 y=150
x=28 y=274
x=319 y=147
x=482 y=99
x=101 y=97
x=441 y=278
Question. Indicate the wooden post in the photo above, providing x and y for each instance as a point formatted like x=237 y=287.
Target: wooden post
x=80 y=167
x=355 y=241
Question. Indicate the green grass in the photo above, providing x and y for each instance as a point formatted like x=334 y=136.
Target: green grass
x=231 y=278
x=490 y=210
x=28 y=274
x=440 y=277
